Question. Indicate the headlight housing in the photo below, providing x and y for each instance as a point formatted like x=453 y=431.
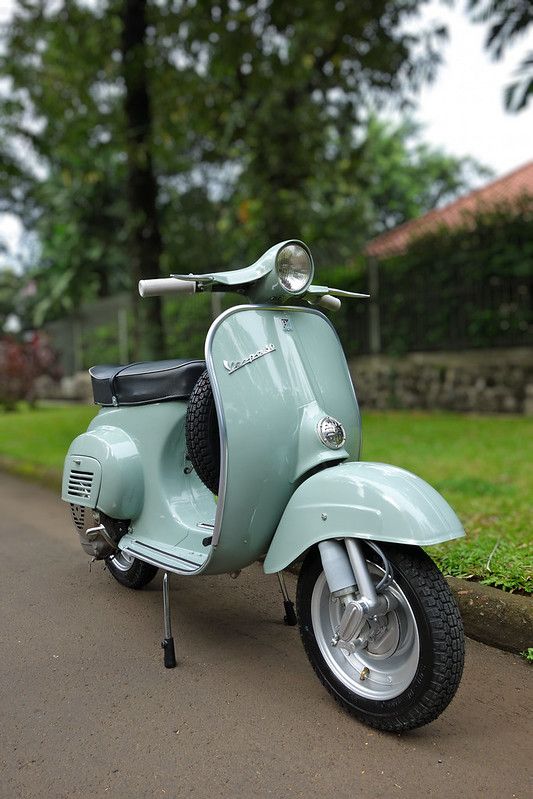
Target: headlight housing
x=294 y=267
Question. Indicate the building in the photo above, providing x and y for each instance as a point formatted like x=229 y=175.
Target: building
x=507 y=189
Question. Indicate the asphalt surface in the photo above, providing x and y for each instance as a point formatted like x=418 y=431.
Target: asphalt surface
x=87 y=709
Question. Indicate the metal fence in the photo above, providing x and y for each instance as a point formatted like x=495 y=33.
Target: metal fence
x=419 y=317
x=424 y=317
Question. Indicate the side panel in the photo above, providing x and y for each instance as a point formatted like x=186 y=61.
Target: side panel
x=361 y=500
x=167 y=530
x=139 y=460
x=275 y=373
x=104 y=450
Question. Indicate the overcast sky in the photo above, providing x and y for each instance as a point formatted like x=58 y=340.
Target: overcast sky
x=462 y=111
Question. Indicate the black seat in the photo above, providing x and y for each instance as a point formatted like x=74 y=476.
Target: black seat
x=142 y=383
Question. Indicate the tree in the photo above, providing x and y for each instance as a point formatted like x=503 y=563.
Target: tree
x=78 y=147
x=283 y=86
x=61 y=139
x=508 y=20
x=139 y=135
x=11 y=285
x=143 y=223
x=401 y=177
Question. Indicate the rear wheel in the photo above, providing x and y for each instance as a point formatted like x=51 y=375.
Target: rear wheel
x=130 y=571
x=408 y=668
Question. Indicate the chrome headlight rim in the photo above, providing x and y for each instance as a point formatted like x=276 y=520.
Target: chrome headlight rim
x=295 y=243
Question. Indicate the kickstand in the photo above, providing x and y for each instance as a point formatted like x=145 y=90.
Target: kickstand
x=168 y=642
x=290 y=615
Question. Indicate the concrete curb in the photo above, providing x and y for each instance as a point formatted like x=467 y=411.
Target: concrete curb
x=490 y=615
x=494 y=617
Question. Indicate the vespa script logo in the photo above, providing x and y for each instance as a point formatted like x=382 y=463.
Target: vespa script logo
x=232 y=366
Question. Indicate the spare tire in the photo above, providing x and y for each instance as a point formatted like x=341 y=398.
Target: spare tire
x=201 y=433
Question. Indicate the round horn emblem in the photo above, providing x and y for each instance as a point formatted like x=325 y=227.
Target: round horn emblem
x=331 y=432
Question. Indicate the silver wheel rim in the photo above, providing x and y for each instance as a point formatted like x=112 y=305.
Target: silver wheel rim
x=122 y=561
x=386 y=667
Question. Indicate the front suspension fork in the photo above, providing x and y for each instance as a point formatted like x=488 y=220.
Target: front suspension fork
x=346 y=573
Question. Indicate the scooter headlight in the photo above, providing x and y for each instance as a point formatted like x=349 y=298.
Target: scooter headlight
x=294 y=267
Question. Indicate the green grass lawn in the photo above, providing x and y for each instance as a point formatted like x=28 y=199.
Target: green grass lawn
x=34 y=442
x=482 y=465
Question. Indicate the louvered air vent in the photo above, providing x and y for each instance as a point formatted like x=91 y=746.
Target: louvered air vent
x=78 y=516
x=80 y=483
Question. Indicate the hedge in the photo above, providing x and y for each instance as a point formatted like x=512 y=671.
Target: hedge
x=467 y=287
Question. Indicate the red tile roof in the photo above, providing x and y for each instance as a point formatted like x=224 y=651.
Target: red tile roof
x=505 y=189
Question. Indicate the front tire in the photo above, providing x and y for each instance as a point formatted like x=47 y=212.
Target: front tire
x=130 y=571
x=409 y=669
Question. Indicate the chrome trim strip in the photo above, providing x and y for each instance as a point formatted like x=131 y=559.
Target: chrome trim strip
x=219 y=405
x=159 y=564
x=168 y=554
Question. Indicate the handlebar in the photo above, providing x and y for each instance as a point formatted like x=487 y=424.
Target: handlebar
x=171 y=285
x=165 y=285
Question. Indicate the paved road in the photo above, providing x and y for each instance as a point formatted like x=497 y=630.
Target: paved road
x=87 y=709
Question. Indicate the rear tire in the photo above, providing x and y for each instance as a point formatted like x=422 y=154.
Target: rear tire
x=409 y=672
x=130 y=571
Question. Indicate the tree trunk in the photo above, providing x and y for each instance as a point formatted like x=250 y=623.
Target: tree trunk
x=143 y=226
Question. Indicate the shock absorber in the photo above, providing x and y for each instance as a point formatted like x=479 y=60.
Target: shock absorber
x=346 y=573
x=339 y=574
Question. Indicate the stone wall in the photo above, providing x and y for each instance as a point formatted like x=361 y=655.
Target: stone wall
x=484 y=381
x=75 y=388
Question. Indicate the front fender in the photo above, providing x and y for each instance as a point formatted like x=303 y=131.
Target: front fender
x=361 y=500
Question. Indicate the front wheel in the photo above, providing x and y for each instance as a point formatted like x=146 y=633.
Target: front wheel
x=130 y=571
x=406 y=667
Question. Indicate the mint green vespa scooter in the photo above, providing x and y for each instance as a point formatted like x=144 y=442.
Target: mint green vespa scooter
x=203 y=468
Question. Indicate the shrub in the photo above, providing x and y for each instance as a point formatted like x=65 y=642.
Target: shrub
x=21 y=362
